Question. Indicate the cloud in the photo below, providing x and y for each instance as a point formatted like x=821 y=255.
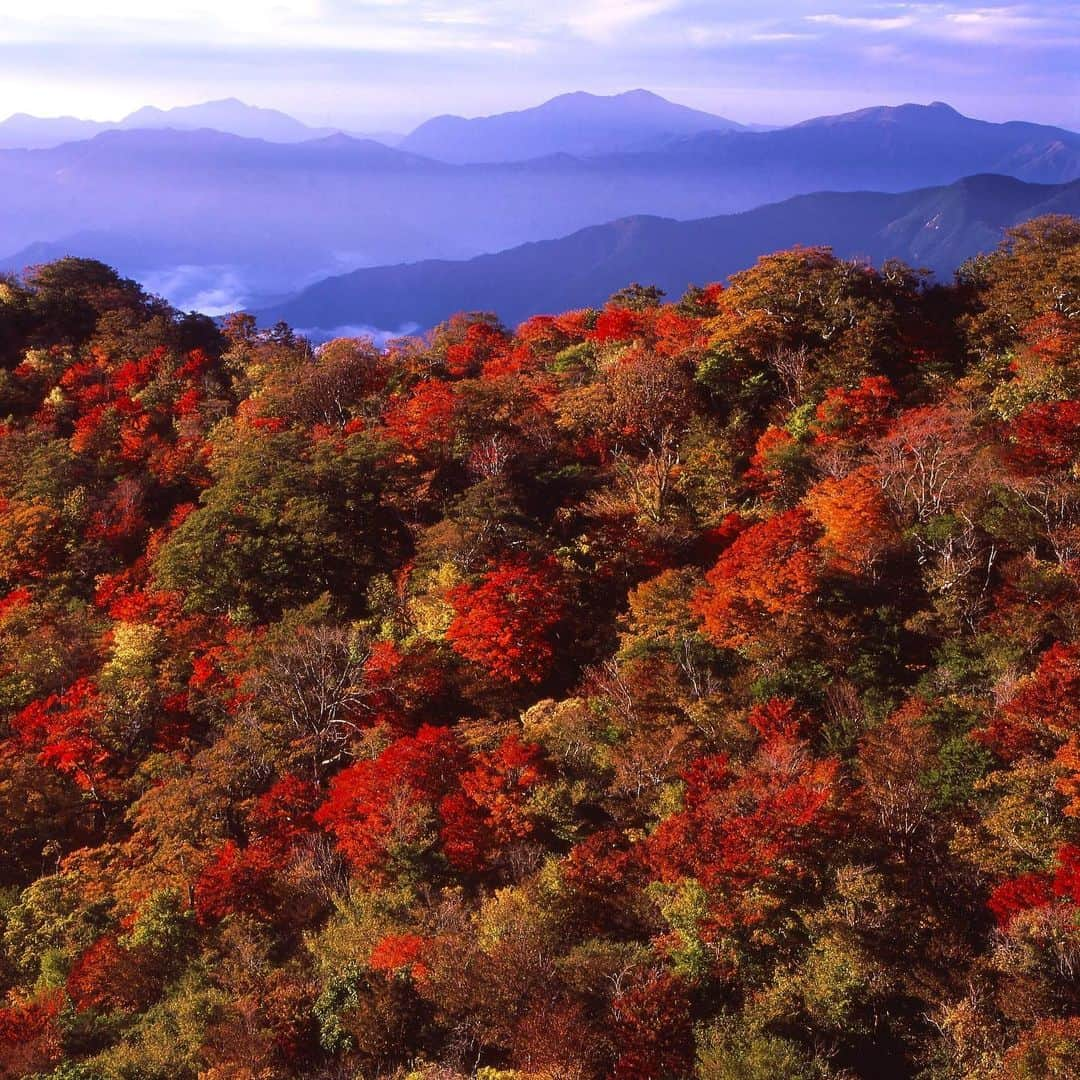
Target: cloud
x=766 y=38
x=603 y=19
x=994 y=25
x=213 y=290
x=365 y=25
x=860 y=22
x=991 y=25
x=320 y=335
x=439 y=26
x=378 y=64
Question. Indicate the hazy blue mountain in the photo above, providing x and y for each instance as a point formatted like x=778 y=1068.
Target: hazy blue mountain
x=23 y=131
x=579 y=124
x=892 y=148
x=280 y=215
x=225 y=198
x=936 y=228
x=229 y=115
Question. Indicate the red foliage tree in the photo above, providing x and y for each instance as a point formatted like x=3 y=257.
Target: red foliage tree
x=743 y=826
x=761 y=590
x=237 y=880
x=107 y=977
x=774 y=451
x=852 y=510
x=424 y=421
x=852 y=417
x=616 y=323
x=1045 y=436
x=600 y=872
x=1052 y=338
x=488 y=814
x=1067 y=876
x=778 y=718
x=506 y=622
x=396 y=953
x=403 y=685
x=1019 y=894
x=14 y=601
x=1036 y=890
x=1044 y=710
x=654 y=1031
x=284 y=813
x=481 y=342
x=386 y=808
x=63 y=729
x=30 y=1039
x=675 y=332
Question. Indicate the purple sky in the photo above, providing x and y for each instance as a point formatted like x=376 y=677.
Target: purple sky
x=387 y=64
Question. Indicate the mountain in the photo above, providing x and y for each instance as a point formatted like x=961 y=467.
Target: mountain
x=891 y=148
x=936 y=228
x=192 y=208
x=229 y=115
x=23 y=131
x=579 y=124
x=279 y=216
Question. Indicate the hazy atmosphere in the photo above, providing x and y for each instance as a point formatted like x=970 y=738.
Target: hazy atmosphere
x=389 y=64
x=598 y=110
x=539 y=540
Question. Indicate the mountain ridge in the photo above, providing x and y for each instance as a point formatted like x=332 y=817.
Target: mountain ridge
x=282 y=215
x=578 y=123
x=23 y=131
x=933 y=227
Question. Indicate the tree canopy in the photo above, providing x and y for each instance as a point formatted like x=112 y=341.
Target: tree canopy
x=661 y=691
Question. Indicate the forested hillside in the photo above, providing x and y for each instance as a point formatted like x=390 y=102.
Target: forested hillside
x=675 y=689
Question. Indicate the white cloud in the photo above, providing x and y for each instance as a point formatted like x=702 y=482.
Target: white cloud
x=1010 y=24
x=213 y=290
x=603 y=19
x=320 y=335
x=780 y=36
x=420 y=27
x=391 y=63
x=860 y=22
x=388 y=26
x=992 y=24
x=735 y=34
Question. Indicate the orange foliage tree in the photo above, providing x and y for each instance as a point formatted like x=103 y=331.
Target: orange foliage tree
x=760 y=593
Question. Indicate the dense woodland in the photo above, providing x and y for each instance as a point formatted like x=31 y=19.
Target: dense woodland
x=663 y=691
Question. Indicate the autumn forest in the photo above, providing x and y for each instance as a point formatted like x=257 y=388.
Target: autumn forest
x=683 y=688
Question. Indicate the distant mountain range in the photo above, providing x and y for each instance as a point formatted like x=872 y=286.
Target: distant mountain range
x=193 y=207
x=892 y=148
x=229 y=115
x=580 y=124
x=934 y=228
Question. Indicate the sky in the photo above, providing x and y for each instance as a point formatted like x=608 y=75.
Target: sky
x=382 y=65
